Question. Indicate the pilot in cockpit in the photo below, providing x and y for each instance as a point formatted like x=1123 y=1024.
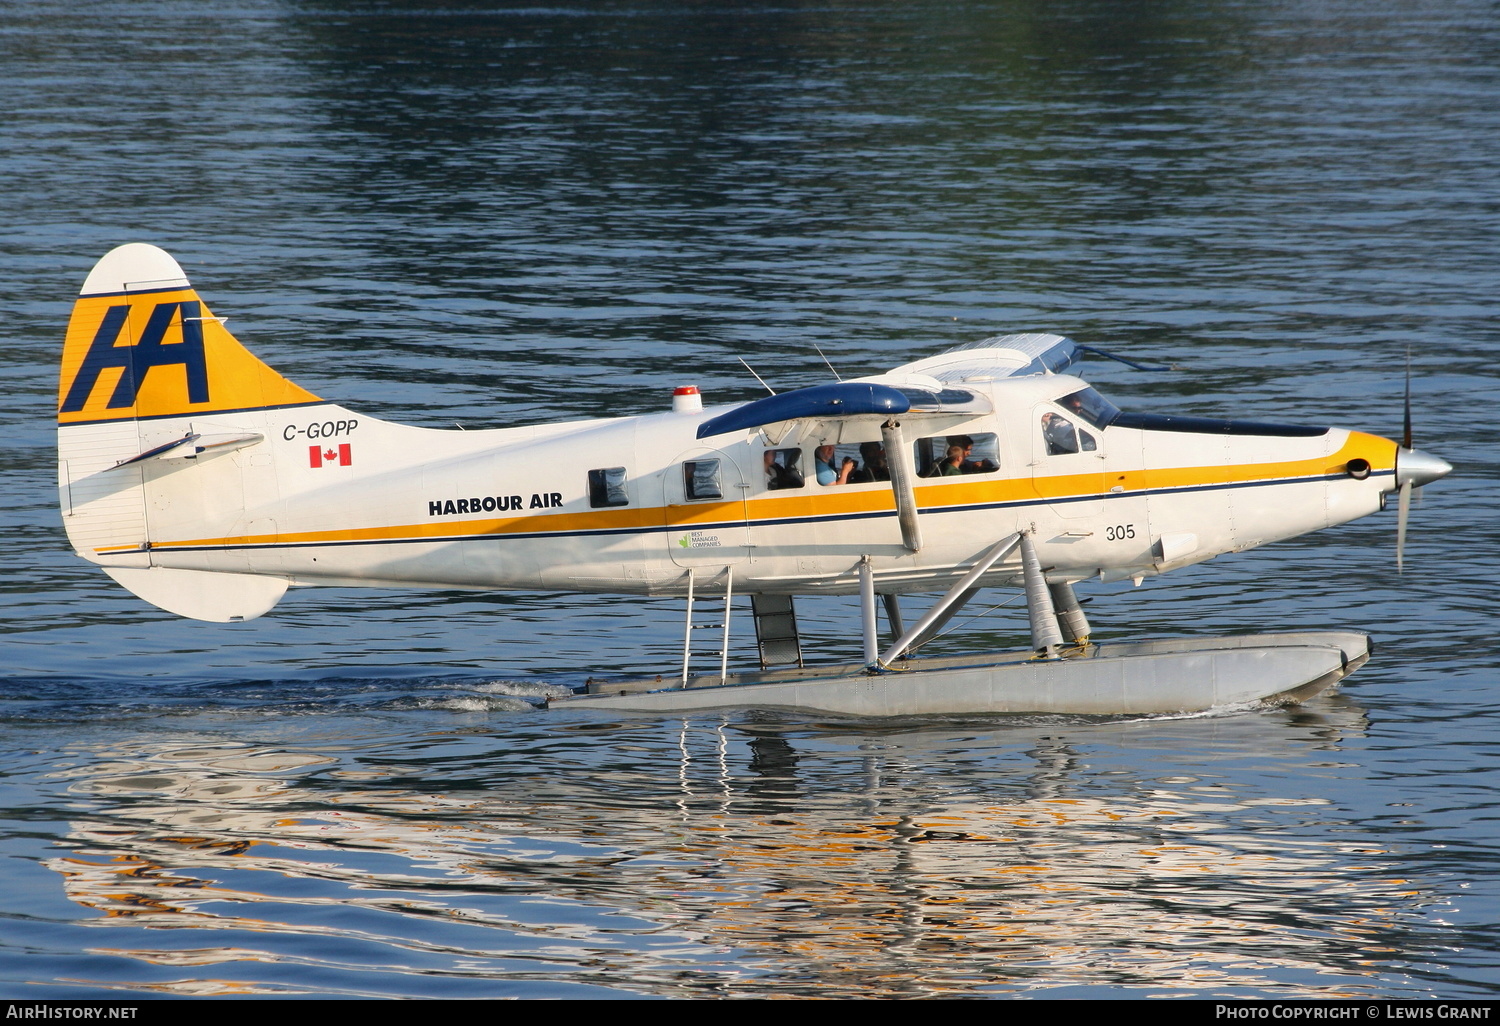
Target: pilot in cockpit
x=1060 y=435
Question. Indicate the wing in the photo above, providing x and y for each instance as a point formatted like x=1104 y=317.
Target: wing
x=847 y=400
x=1001 y=356
x=929 y=387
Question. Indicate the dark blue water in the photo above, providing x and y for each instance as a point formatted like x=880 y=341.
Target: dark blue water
x=466 y=213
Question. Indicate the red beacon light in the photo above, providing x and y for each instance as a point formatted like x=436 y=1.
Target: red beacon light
x=686 y=399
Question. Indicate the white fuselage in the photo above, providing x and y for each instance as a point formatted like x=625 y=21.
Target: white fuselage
x=382 y=504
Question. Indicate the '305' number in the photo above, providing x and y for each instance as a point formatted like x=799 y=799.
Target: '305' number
x=1119 y=532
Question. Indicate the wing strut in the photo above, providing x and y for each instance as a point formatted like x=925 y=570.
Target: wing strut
x=898 y=458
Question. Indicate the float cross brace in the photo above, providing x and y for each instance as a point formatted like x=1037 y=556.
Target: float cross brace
x=960 y=593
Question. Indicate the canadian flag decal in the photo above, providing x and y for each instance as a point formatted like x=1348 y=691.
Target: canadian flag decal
x=318 y=456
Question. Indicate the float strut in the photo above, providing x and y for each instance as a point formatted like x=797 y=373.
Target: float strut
x=1045 y=637
x=955 y=596
x=1075 y=626
x=867 y=608
x=893 y=615
x=942 y=621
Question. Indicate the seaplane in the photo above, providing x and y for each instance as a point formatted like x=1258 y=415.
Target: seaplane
x=206 y=483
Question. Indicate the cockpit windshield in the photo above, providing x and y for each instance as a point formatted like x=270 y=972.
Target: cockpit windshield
x=1092 y=407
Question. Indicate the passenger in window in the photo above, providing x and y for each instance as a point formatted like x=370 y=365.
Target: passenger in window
x=827 y=475
x=951 y=465
x=968 y=465
x=1061 y=436
x=947 y=465
x=779 y=475
x=875 y=469
x=931 y=467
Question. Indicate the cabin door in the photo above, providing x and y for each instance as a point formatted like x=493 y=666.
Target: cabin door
x=1067 y=462
x=703 y=508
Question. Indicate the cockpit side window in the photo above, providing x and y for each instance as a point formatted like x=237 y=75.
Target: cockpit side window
x=700 y=479
x=607 y=487
x=1059 y=433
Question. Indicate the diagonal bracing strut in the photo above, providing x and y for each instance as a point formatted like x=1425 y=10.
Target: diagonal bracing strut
x=955 y=595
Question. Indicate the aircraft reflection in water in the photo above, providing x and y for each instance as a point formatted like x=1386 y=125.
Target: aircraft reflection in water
x=738 y=866
x=205 y=482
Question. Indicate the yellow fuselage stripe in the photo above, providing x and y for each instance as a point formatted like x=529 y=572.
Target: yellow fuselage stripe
x=829 y=503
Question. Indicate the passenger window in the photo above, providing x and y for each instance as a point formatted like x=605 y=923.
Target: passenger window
x=700 y=479
x=607 y=487
x=781 y=471
x=834 y=465
x=957 y=455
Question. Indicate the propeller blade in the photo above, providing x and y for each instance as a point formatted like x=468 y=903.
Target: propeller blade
x=1403 y=510
x=1406 y=430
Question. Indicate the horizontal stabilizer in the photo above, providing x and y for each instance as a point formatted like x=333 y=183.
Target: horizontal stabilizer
x=202 y=594
x=195 y=446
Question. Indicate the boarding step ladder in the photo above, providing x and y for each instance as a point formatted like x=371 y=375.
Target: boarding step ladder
x=689 y=626
x=776 y=630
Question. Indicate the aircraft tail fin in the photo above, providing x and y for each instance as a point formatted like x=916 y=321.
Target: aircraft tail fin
x=142 y=344
x=149 y=375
